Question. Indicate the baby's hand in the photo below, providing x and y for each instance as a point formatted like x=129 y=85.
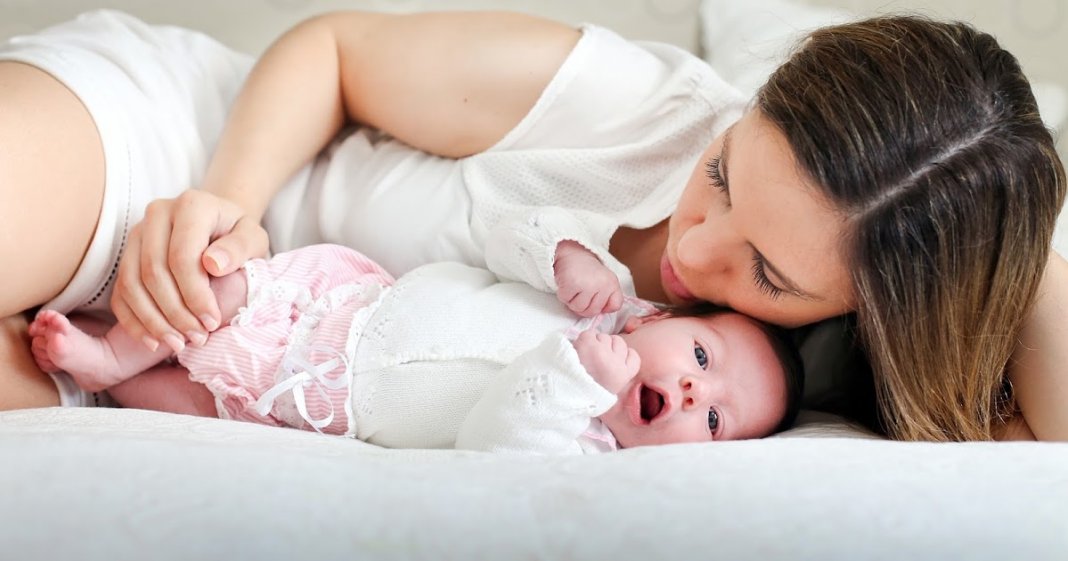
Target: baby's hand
x=584 y=284
x=607 y=358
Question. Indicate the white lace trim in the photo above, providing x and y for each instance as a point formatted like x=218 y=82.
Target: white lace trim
x=296 y=373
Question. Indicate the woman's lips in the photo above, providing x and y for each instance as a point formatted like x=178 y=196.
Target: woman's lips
x=671 y=281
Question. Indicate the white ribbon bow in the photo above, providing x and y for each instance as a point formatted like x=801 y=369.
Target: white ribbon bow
x=307 y=373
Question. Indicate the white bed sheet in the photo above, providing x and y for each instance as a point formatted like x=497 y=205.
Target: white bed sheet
x=125 y=484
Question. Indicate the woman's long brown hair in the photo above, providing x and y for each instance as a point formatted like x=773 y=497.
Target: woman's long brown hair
x=927 y=137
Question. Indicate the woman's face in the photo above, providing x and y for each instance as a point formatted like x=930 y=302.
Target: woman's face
x=751 y=233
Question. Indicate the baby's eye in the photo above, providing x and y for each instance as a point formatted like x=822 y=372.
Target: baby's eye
x=713 y=420
x=701 y=356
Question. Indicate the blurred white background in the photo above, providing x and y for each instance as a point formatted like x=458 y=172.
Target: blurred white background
x=1035 y=30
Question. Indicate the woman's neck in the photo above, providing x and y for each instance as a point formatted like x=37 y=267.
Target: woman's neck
x=640 y=251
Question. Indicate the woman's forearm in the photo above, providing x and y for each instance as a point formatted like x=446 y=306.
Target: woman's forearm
x=1039 y=370
x=450 y=84
x=288 y=110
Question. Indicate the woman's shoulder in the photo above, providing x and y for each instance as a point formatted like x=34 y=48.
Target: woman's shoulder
x=610 y=89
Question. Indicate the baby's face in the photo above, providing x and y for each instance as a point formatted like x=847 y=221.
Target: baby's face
x=701 y=378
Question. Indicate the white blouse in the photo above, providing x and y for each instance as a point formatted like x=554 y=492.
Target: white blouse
x=612 y=138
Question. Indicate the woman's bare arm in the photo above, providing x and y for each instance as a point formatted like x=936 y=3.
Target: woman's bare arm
x=448 y=83
x=1039 y=371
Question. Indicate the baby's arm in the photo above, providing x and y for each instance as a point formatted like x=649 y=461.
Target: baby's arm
x=1038 y=371
x=540 y=403
x=555 y=250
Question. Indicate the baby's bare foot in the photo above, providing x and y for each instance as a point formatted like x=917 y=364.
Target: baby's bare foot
x=57 y=345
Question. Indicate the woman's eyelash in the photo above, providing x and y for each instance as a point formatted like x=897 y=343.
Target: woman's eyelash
x=761 y=278
x=715 y=176
x=713 y=173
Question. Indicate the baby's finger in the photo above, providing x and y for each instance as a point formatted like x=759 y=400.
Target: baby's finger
x=615 y=302
x=587 y=335
x=565 y=293
x=597 y=304
x=579 y=302
x=633 y=361
x=34 y=328
x=585 y=338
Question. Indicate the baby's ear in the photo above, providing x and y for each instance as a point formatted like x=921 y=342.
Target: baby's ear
x=634 y=322
x=631 y=324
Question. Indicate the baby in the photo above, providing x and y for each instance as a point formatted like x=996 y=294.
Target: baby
x=322 y=338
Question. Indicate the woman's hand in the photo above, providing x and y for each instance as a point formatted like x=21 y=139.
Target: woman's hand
x=161 y=291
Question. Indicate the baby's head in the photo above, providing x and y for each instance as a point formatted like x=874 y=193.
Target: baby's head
x=718 y=375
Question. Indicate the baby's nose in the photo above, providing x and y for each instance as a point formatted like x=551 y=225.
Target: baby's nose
x=694 y=392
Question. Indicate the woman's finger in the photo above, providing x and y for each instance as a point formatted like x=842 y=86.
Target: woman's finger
x=131 y=324
x=127 y=276
x=158 y=279
x=131 y=296
x=199 y=218
x=247 y=240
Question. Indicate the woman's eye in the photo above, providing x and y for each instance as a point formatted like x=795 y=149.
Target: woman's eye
x=714 y=174
x=760 y=277
x=715 y=177
x=713 y=420
x=701 y=356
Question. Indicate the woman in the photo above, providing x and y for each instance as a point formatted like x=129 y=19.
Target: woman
x=895 y=168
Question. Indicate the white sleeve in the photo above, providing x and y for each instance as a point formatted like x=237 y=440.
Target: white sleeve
x=522 y=246
x=541 y=403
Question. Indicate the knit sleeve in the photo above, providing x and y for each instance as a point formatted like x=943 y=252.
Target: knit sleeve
x=522 y=247
x=541 y=403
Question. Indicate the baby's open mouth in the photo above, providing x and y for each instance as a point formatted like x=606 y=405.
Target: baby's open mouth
x=651 y=403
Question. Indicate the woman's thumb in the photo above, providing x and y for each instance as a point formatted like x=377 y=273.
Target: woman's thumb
x=226 y=254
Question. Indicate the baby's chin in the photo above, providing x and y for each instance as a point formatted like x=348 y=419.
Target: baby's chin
x=614 y=420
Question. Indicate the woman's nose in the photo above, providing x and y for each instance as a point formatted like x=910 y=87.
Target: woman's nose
x=705 y=247
x=694 y=392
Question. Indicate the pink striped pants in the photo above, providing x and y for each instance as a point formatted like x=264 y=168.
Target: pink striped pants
x=286 y=349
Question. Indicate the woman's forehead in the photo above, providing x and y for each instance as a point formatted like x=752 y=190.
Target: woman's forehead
x=778 y=210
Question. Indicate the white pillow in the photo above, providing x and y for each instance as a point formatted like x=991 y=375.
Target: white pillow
x=745 y=41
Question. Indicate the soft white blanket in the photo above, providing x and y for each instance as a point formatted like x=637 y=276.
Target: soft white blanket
x=124 y=484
